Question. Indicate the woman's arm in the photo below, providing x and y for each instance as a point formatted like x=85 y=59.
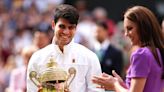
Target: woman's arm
x=113 y=83
x=137 y=85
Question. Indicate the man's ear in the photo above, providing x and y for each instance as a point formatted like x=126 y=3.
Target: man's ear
x=53 y=24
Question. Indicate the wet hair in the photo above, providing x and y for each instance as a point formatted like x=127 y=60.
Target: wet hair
x=149 y=30
x=67 y=12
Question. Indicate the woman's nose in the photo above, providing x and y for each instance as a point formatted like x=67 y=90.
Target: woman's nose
x=125 y=33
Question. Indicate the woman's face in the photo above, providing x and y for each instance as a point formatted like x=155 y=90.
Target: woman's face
x=131 y=31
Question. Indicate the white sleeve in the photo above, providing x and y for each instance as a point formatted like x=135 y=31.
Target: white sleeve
x=32 y=66
x=94 y=69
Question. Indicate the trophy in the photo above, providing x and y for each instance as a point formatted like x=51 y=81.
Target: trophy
x=53 y=78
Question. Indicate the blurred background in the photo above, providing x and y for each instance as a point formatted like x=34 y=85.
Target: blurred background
x=27 y=24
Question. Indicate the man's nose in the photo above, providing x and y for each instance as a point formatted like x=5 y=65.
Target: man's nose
x=66 y=31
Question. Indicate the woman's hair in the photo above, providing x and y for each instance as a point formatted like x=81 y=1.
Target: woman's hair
x=149 y=30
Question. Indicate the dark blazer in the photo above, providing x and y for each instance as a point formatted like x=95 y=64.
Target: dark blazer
x=112 y=59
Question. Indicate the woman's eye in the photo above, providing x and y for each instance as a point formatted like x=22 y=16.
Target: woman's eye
x=129 y=28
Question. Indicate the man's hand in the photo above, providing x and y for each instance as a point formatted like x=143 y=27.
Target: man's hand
x=40 y=88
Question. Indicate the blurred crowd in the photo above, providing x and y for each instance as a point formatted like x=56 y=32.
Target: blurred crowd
x=25 y=26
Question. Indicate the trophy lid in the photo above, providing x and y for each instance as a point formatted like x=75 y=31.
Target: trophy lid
x=53 y=73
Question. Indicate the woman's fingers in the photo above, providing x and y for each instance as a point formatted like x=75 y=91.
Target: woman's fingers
x=100 y=86
x=117 y=76
x=105 y=75
x=97 y=79
x=104 y=81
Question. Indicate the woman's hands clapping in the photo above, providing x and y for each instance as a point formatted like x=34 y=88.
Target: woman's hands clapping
x=108 y=81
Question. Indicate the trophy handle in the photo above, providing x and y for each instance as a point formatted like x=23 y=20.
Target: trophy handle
x=71 y=76
x=34 y=79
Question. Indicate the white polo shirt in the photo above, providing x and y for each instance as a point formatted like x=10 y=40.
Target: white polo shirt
x=86 y=65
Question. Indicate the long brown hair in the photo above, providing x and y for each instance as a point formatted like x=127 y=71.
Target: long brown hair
x=149 y=30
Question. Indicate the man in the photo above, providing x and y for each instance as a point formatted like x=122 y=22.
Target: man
x=109 y=56
x=41 y=37
x=66 y=53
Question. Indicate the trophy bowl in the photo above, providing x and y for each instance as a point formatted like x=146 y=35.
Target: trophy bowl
x=53 y=78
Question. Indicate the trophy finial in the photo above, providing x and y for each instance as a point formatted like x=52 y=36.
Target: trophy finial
x=51 y=63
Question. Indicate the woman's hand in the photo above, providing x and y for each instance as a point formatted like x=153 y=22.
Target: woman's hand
x=119 y=79
x=105 y=81
x=117 y=76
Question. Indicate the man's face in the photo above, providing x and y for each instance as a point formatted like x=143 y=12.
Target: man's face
x=101 y=33
x=63 y=31
x=41 y=39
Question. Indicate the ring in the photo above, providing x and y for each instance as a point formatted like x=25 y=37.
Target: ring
x=102 y=86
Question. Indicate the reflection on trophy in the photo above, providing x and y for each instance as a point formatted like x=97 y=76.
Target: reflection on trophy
x=53 y=79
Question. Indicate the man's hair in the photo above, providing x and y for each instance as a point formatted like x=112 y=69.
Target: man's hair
x=67 y=12
x=102 y=24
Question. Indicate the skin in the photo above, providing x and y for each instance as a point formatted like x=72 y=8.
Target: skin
x=163 y=26
x=41 y=39
x=27 y=53
x=115 y=82
x=131 y=32
x=63 y=32
x=101 y=33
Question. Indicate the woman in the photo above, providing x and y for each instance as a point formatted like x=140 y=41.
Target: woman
x=146 y=72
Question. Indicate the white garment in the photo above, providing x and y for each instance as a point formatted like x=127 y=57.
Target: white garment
x=100 y=48
x=86 y=65
x=85 y=33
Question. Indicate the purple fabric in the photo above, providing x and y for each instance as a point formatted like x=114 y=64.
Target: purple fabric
x=144 y=65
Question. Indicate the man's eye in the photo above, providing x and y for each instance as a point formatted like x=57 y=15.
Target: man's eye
x=62 y=26
x=71 y=27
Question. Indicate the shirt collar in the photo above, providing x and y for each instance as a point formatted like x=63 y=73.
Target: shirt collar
x=66 y=47
x=105 y=44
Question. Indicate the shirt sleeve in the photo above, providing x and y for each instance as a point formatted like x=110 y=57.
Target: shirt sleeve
x=31 y=87
x=140 y=64
x=94 y=69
